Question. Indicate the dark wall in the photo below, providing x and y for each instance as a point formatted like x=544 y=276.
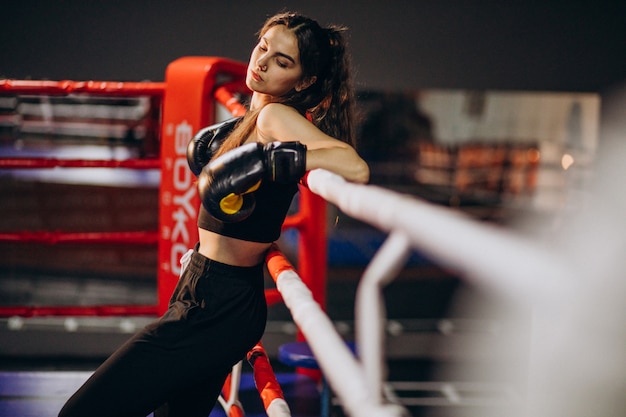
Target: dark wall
x=396 y=45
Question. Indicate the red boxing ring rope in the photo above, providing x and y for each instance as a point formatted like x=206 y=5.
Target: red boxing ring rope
x=54 y=237
x=266 y=383
x=39 y=163
x=61 y=88
x=224 y=95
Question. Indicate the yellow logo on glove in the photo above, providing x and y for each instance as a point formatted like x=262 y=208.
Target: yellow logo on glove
x=232 y=203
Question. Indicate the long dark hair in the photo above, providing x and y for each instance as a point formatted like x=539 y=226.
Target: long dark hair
x=329 y=101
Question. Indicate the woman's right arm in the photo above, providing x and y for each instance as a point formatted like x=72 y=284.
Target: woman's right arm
x=283 y=123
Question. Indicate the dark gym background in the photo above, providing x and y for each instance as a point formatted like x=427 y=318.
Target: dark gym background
x=396 y=45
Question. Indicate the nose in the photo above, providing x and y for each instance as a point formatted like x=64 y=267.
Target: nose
x=261 y=64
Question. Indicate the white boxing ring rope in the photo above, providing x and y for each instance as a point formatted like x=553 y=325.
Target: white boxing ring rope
x=480 y=251
x=497 y=260
x=575 y=291
x=470 y=247
x=340 y=367
x=370 y=310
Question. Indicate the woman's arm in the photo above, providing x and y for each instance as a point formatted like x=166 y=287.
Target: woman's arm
x=283 y=123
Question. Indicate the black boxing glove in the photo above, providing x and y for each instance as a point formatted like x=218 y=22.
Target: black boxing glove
x=206 y=142
x=285 y=161
x=226 y=185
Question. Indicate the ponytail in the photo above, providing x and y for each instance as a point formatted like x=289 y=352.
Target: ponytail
x=334 y=114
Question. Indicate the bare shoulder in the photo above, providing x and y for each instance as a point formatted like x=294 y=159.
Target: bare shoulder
x=280 y=122
x=276 y=112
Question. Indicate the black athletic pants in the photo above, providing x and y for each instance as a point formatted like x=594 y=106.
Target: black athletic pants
x=179 y=363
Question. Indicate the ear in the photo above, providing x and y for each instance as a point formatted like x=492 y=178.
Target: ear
x=304 y=84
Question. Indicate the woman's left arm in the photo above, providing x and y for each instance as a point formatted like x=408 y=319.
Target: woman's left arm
x=283 y=123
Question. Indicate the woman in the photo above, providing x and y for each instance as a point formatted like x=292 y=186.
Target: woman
x=300 y=118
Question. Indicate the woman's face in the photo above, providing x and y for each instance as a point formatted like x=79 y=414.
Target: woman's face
x=274 y=67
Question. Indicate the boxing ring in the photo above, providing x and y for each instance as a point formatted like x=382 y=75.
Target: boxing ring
x=515 y=269
x=188 y=101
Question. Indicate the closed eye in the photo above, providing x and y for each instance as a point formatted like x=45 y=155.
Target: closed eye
x=281 y=62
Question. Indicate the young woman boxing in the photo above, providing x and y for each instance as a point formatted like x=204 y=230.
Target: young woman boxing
x=300 y=118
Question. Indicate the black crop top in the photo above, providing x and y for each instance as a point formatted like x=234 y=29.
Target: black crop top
x=265 y=222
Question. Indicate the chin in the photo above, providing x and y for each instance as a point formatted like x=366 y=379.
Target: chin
x=252 y=84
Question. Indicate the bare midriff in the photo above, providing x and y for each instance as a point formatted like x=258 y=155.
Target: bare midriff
x=231 y=251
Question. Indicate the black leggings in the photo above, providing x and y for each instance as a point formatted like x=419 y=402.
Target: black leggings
x=178 y=364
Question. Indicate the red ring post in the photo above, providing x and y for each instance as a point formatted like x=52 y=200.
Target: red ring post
x=312 y=242
x=188 y=105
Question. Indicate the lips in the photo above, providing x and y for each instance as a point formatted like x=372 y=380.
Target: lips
x=255 y=76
